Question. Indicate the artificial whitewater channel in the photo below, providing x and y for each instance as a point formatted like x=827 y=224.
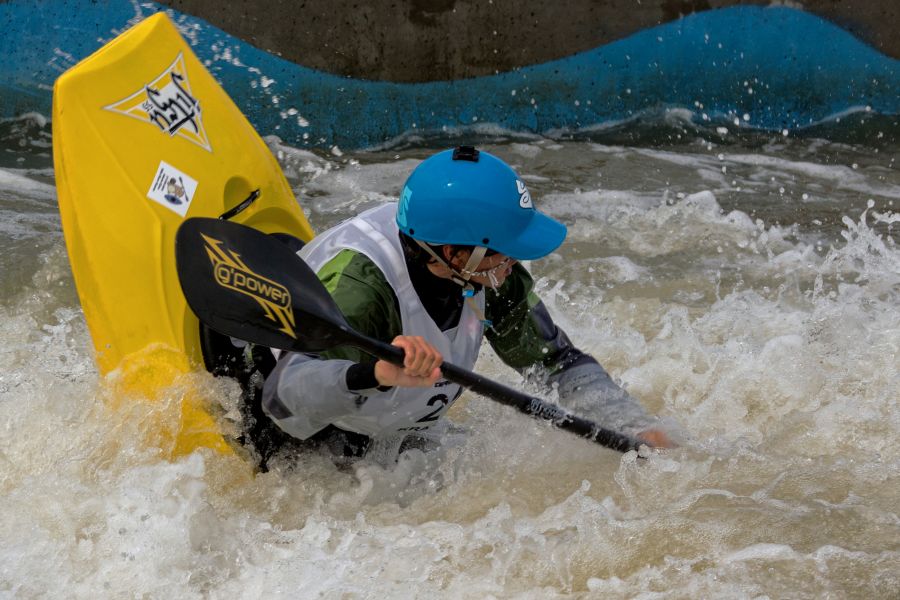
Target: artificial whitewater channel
x=743 y=285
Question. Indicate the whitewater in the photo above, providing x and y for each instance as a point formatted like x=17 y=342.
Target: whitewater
x=744 y=286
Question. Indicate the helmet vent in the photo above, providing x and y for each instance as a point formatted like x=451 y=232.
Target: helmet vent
x=465 y=153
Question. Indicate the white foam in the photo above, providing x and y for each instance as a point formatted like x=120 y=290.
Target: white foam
x=777 y=359
x=31 y=117
x=17 y=181
x=761 y=552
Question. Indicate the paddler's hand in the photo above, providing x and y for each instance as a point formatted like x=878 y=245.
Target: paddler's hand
x=656 y=438
x=421 y=365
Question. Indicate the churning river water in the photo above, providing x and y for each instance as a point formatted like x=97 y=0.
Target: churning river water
x=744 y=286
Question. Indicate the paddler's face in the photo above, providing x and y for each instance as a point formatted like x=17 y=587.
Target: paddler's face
x=491 y=272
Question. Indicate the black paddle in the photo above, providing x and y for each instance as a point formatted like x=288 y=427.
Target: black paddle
x=249 y=285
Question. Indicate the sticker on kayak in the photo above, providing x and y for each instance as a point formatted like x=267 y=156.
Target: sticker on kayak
x=232 y=273
x=172 y=188
x=168 y=103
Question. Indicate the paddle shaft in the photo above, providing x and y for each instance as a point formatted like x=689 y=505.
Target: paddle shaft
x=530 y=405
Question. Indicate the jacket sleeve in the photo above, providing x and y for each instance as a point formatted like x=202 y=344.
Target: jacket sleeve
x=306 y=392
x=525 y=337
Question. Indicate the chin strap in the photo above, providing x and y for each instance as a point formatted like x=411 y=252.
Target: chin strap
x=459 y=276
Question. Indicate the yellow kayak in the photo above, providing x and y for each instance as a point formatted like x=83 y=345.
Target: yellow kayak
x=143 y=138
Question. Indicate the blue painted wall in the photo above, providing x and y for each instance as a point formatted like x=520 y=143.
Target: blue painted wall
x=780 y=67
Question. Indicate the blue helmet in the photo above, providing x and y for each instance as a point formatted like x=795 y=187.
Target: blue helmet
x=467 y=197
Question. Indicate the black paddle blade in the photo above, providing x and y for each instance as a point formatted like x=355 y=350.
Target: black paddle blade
x=251 y=286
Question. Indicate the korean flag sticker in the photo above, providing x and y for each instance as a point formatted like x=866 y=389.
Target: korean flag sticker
x=172 y=188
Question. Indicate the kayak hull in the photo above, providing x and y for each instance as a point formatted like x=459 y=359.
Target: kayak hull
x=144 y=137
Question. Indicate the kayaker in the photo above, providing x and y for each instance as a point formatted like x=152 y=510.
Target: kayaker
x=434 y=274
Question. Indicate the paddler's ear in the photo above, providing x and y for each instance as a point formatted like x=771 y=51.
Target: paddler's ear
x=447 y=252
x=454 y=255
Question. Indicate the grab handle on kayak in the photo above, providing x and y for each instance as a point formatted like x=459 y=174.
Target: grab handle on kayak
x=245 y=203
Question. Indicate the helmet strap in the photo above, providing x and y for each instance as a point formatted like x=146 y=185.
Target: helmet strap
x=459 y=276
x=475 y=258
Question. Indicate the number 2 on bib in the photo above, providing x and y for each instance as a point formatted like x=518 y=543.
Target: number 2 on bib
x=442 y=400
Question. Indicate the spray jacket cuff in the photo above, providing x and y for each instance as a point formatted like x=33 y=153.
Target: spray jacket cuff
x=361 y=376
